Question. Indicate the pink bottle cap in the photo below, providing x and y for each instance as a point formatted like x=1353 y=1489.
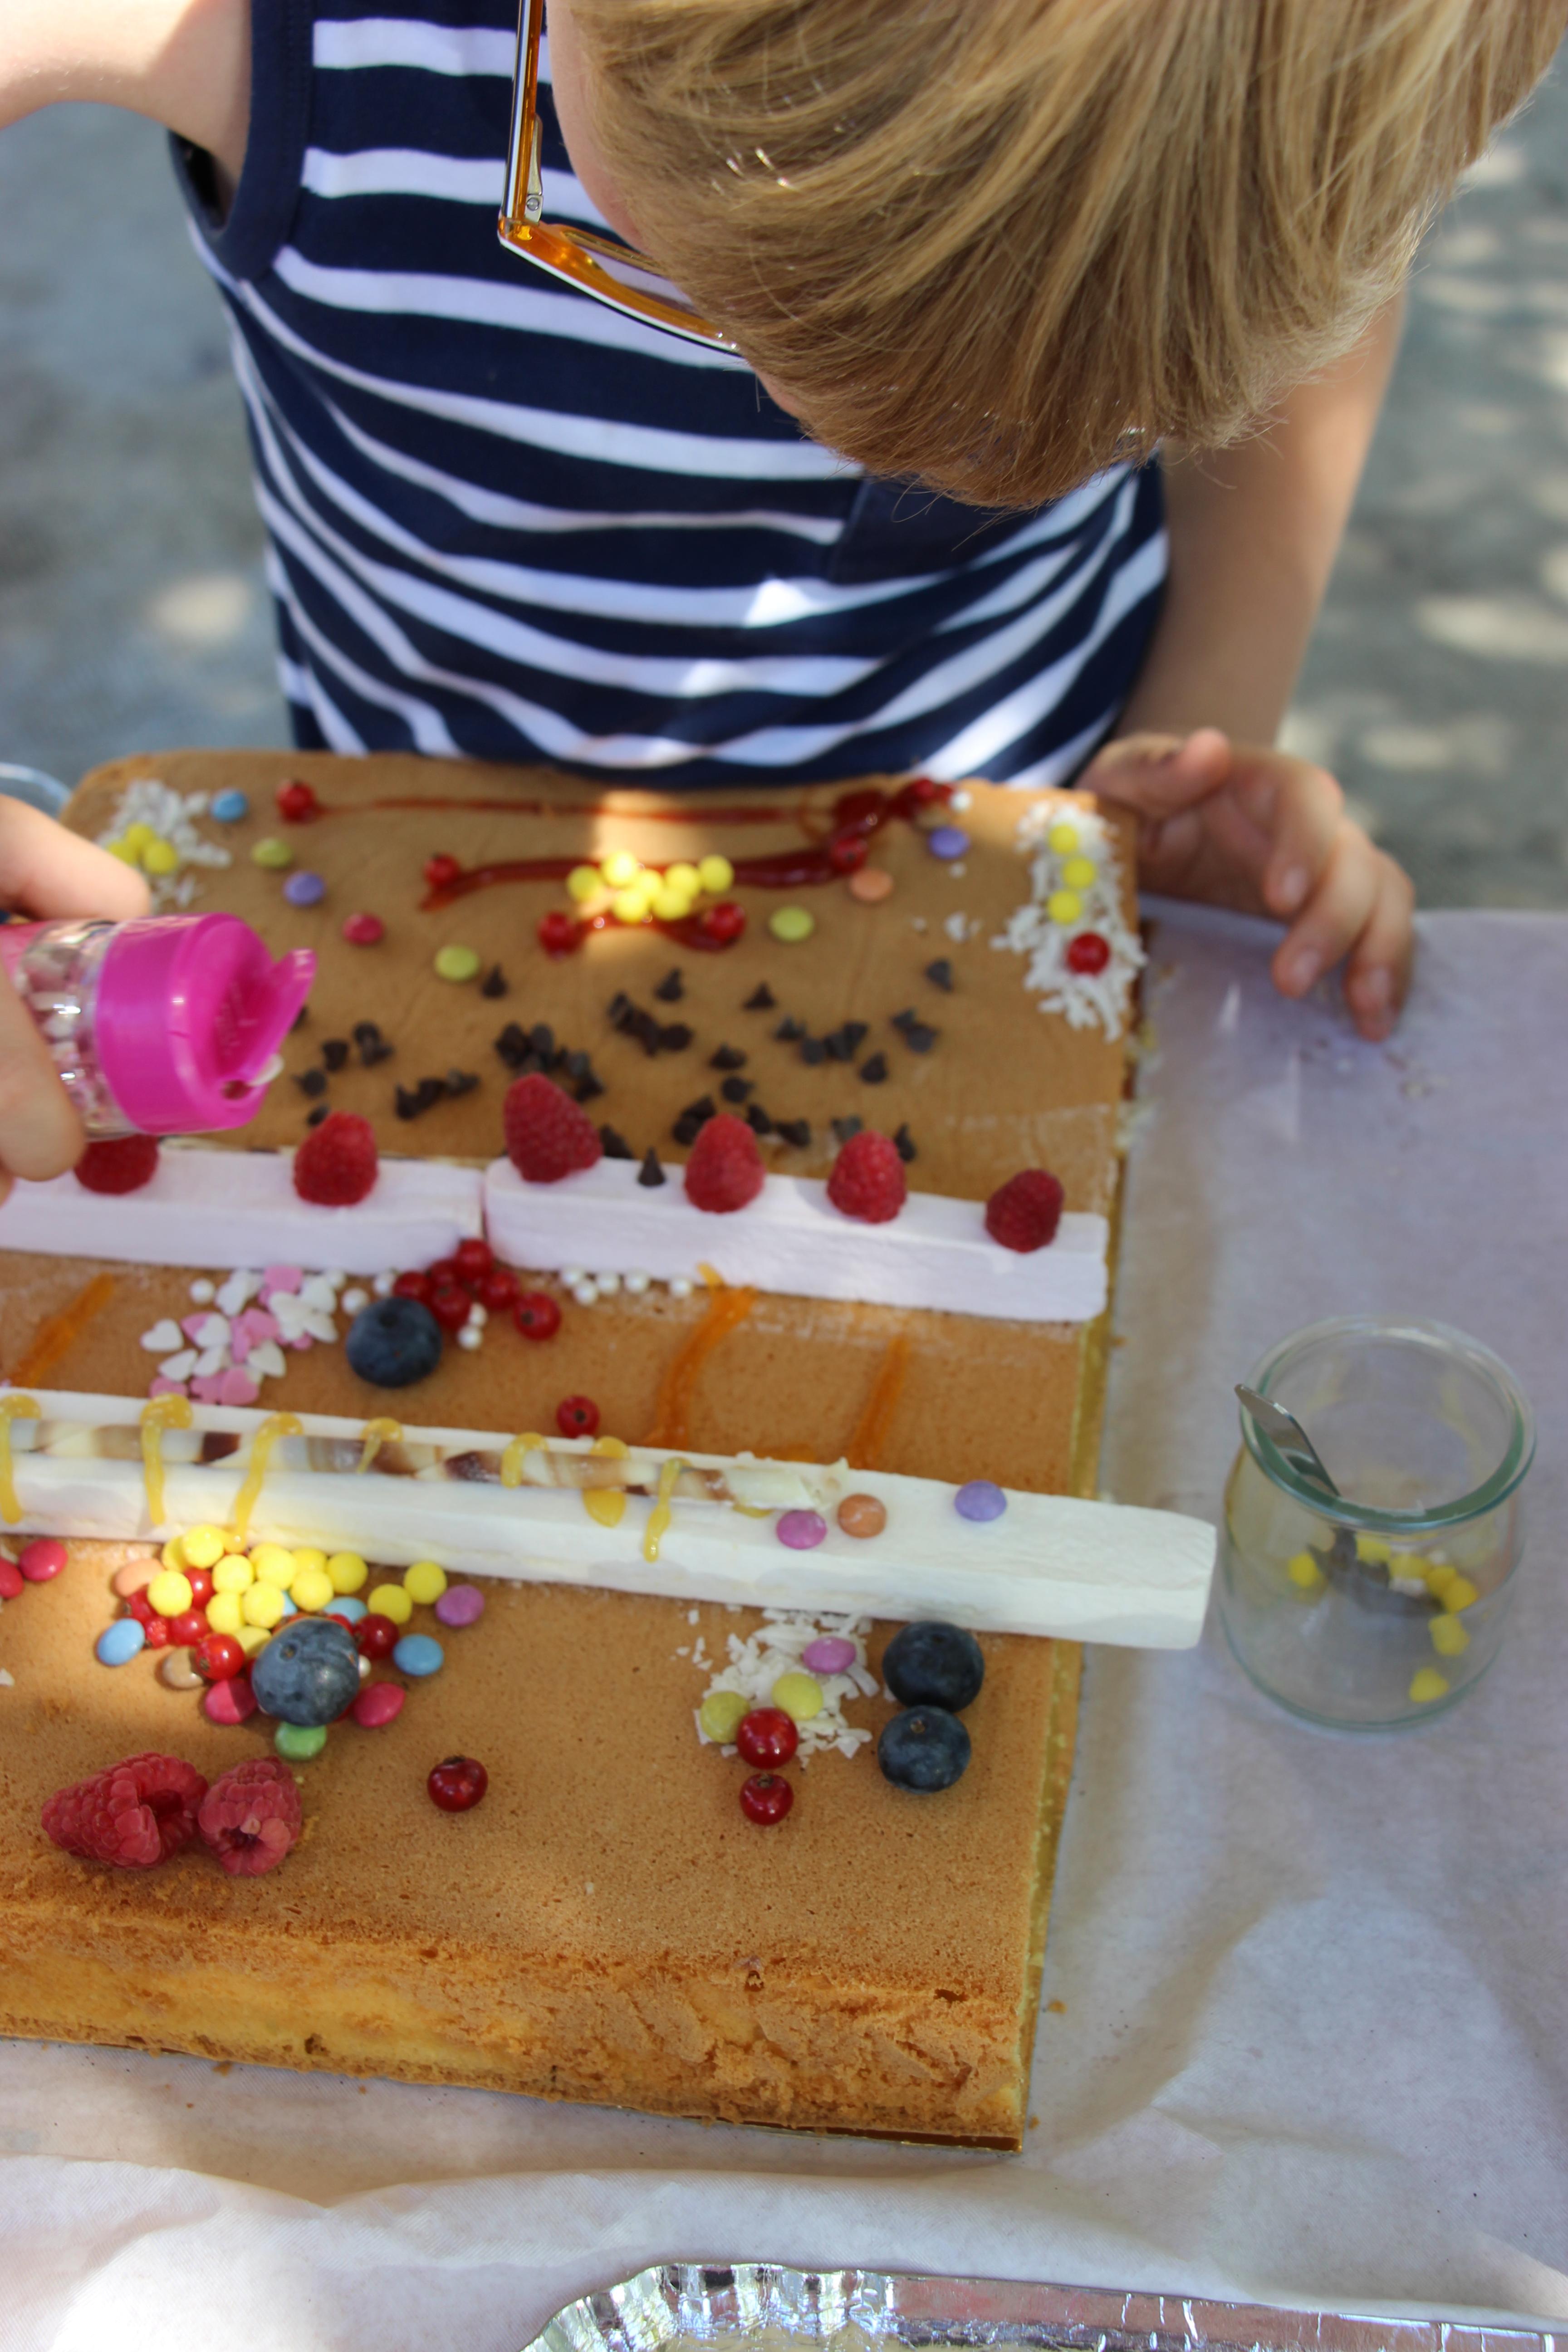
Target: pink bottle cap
x=191 y=1010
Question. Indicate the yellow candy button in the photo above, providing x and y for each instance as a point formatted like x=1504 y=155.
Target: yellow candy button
x=799 y=1695
x=792 y=924
x=273 y=1565
x=1064 y=906
x=390 y=1601
x=204 y=1547
x=1063 y=837
x=170 y=1592
x=630 y=905
x=272 y=852
x=456 y=963
x=1426 y=1683
x=311 y=1589
x=425 y=1582
x=347 y=1571
x=233 y=1573
x=138 y=838
x=715 y=873
x=1078 y=873
x=160 y=857
x=719 y=1716
x=262 y=1606
x=224 y=1613
x=252 y=1638
x=1372 y=1548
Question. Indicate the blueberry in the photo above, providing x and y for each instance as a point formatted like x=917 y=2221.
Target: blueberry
x=394 y=1341
x=307 y=1673
x=925 y=1749
x=934 y=1664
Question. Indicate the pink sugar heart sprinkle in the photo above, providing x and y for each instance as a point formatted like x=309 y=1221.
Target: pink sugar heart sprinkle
x=236 y=1387
x=159 y=1386
x=256 y=1323
x=281 y=1277
x=191 y=1324
x=207 y=1388
x=302 y=1340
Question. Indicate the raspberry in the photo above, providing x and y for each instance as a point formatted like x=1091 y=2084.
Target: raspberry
x=1024 y=1212
x=135 y=1815
x=547 y=1136
x=121 y=1165
x=336 y=1164
x=250 y=1817
x=725 y=1170
x=868 y=1179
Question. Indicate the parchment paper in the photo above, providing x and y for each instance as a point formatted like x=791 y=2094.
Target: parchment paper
x=1306 y=2022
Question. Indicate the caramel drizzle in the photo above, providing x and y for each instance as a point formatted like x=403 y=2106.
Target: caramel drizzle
x=607 y=1503
x=375 y=1434
x=13 y=1407
x=276 y=1425
x=866 y=1447
x=726 y=1311
x=58 y=1334
x=163 y=1413
x=516 y=1452
x=660 y=1517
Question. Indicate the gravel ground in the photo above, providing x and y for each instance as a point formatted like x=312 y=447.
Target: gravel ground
x=132 y=610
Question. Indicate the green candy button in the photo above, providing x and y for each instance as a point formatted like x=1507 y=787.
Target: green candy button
x=456 y=963
x=272 y=852
x=792 y=924
x=299 y=1741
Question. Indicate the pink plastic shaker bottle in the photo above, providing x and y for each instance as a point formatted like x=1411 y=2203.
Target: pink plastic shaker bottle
x=162 y=1026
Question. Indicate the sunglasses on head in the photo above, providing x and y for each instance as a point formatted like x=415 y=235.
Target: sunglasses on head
x=611 y=272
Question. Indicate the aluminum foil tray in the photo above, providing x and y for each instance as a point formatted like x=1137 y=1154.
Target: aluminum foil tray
x=735 y=2304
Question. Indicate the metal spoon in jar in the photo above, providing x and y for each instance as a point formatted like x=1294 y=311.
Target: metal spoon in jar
x=1280 y=1426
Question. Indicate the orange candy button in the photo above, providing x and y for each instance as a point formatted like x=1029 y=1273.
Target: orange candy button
x=135 y=1576
x=862 y=1515
x=871 y=885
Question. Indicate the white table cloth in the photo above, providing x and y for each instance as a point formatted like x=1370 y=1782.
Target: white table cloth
x=1306 y=2032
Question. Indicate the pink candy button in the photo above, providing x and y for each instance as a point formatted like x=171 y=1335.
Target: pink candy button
x=460 y=1604
x=42 y=1559
x=363 y=930
x=10 y=1578
x=377 y=1704
x=829 y=1656
x=230 y=1702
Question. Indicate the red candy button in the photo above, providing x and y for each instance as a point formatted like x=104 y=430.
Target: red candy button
x=42 y=1559
x=363 y=930
x=377 y=1704
x=231 y=1702
x=11 y=1579
x=1089 y=953
x=558 y=934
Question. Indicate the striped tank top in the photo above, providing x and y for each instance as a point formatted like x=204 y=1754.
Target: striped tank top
x=505 y=522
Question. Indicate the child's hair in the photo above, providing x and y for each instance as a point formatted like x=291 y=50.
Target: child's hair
x=995 y=243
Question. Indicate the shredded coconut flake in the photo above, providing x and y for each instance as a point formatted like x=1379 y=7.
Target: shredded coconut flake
x=1083 y=999
x=172 y=815
x=775 y=1649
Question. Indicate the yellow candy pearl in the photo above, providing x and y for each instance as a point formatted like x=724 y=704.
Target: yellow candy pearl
x=224 y=1613
x=121 y=850
x=174 y=1553
x=799 y=1695
x=170 y=1592
x=312 y=1590
x=619 y=868
x=456 y=965
x=715 y=873
x=1078 y=873
x=390 y=1601
x=138 y=838
x=1426 y=1684
x=670 y=905
x=1063 y=837
x=252 y=1638
x=204 y=1547
x=719 y=1716
x=629 y=906
x=425 y=1582
x=347 y=1571
x=274 y=1565
x=160 y=857
x=683 y=875
x=262 y=1606
x=233 y=1574
x=584 y=882
x=1064 y=906
x=1372 y=1548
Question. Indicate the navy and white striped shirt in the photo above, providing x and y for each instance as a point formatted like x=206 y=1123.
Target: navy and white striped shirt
x=507 y=523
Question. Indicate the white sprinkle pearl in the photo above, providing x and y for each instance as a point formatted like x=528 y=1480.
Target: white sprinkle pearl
x=479 y=1316
x=202 y=1291
x=680 y=1287
x=336 y=1279
x=352 y=1301
x=637 y=1283
x=586 y=1292
x=470 y=1338
x=572 y=1275
x=383 y=1283
x=608 y=1284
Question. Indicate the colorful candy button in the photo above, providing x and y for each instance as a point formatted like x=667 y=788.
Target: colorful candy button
x=720 y=1714
x=363 y=930
x=456 y=963
x=160 y=856
x=224 y=1613
x=272 y=852
x=801 y=1530
x=1063 y=837
x=274 y=1565
x=377 y=1705
x=460 y=1604
x=829 y=1655
x=792 y=924
x=1449 y=1638
x=177 y=1670
x=298 y=1742
x=231 y=808
x=980 y=1500
x=619 y=868
x=13 y=1583
x=231 y=1702
x=418 y=1653
x=233 y=1573
x=871 y=885
x=134 y=1577
x=304 y=889
x=799 y=1695
x=425 y=1582
x=1426 y=1684
x=862 y=1516
x=947 y=841
x=1064 y=906
x=1078 y=873
x=349 y=1605
x=42 y=1560
x=118 y=1643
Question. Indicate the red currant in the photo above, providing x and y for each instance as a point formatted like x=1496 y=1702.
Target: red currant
x=473 y=1260
x=558 y=934
x=296 y=802
x=499 y=1290
x=457 y=1784
x=577 y=1417
x=847 y=851
x=442 y=1271
x=201 y=1583
x=766 y=1737
x=450 y=1304
x=219 y=1658
x=724 y=922
x=157 y=1631
x=378 y=1637
x=765 y=1798
x=138 y=1606
x=412 y=1285
x=536 y=1315
x=441 y=871
x=1089 y=952
x=188 y=1629
x=922 y=791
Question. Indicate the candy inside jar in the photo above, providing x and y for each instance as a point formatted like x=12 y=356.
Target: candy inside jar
x=162 y=1026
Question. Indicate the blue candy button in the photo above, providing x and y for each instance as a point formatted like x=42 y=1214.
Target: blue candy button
x=349 y=1605
x=418 y=1653
x=980 y=1500
x=118 y=1643
x=231 y=808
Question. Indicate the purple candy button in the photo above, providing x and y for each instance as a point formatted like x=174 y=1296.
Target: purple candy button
x=947 y=841
x=980 y=1500
x=460 y=1604
x=830 y=1655
x=801 y=1531
x=304 y=889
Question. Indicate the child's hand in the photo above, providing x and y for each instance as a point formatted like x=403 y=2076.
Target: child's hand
x=44 y=871
x=1238 y=826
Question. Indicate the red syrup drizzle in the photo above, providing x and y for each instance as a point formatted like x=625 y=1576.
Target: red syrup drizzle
x=857 y=816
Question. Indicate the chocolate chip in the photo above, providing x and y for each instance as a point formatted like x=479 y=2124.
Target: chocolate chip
x=675 y=1037
x=728 y=1058
x=378 y=1050
x=760 y=1000
x=735 y=1090
x=460 y=1082
x=904 y=1144
x=493 y=982
x=789 y=1030
x=907 y=1019
x=366 y=1033
x=512 y=1047
x=311 y=1082
x=620 y=1004
x=299 y=1019
x=758 y=1121
x=574 y=1065
x=685 y=1128
x=587 y=1089
x=615 y=1147
x=703 y=1108
x=407 y=1104
x=541 y=1040
x=672 y=988
x=650 y=1172
x=813 y=1050
x=844 y=1128
x=314 y=1117
x=843 y=1043
x=430 y=1092
x=334 y=1052
x=794 y=1130
x=875 y=1070
x=646 y=1029
x=920 y=1036
x=940 y=973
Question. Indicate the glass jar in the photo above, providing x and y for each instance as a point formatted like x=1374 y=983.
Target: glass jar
x=1380 y=1607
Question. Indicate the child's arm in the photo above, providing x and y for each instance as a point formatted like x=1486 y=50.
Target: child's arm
x=1254 y=531
x=185 y=63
